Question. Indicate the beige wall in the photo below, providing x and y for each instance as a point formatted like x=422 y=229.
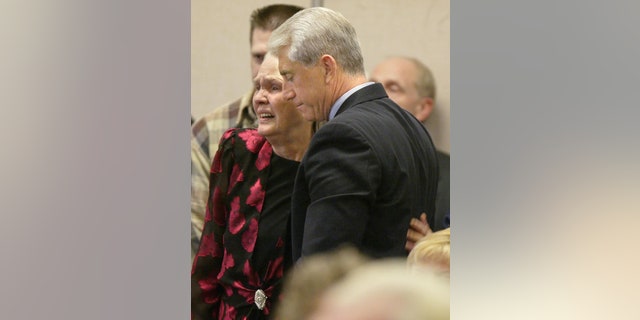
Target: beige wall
x=220 y=46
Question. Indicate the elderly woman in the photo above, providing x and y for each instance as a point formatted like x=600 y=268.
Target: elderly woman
x=241 y=260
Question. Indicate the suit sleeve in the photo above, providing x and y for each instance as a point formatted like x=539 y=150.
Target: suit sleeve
x=342 y=174
x=205 y=289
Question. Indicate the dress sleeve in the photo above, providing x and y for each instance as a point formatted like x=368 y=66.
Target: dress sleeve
x=205 y=289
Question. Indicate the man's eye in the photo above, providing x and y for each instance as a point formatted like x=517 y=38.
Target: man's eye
x=393 y=88
x=258 y=57
x=275 y=88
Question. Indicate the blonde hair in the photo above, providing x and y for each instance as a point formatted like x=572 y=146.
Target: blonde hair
x=311 y=277
x=384 y=289
x=432 y=249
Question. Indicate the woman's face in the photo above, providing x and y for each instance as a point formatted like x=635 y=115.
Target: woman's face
x=275 y=110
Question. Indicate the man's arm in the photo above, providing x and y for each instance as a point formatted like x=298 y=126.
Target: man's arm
x=200 y=168
x=342 y=175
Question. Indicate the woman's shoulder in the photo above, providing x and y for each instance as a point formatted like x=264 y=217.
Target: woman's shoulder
x=244 y=138
x=242 y=133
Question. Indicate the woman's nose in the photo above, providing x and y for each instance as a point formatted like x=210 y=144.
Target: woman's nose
x=260 y=96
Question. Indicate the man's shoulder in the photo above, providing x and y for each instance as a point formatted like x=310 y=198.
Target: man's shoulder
x=443 y=161
x=443 y=156
x=224 y=109
x=366 y=116
x=224 y=112
x=208 y=129
x=223 y=117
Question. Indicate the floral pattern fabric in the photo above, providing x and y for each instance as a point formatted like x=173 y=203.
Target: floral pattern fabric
x=226 y=271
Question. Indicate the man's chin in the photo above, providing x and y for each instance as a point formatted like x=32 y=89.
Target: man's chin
x=309 y=118
x=308 y=115
x=305 y=111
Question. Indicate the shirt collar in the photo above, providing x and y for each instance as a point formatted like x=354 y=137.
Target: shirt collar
x=336 y=105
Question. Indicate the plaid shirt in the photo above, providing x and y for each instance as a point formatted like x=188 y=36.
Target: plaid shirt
x=205 y=137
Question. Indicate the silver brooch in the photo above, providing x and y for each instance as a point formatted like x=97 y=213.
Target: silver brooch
x=260 y=299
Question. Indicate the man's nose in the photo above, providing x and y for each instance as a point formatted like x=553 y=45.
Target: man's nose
x=289 y=94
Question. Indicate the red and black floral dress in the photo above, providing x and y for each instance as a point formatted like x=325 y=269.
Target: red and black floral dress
x=241 y=258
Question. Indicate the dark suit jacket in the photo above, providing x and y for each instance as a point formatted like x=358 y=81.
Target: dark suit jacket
x=442 y=197
x=365 y=174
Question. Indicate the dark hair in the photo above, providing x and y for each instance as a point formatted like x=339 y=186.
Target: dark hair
x=271 y=17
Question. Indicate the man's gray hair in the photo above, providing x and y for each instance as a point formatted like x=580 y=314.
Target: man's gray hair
x=316 y=31
x=425 y=83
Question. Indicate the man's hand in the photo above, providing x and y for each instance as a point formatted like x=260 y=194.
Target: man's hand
x=417 y=230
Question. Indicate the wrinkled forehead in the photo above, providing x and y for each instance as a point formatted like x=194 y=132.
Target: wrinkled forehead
x=269 y=67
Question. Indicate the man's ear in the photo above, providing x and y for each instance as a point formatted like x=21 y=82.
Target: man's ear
x=424 y=108
x=329 y=65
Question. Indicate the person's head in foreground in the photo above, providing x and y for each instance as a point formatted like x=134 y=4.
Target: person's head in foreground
x=386 y=290
x=432 y=251
x=311 y=277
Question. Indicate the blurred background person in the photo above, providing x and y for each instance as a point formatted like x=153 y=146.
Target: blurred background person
x=206 y=131
x=411 y=85
x=433 y=251
x=385 y=290
x=241 y=259
x=311 y=277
